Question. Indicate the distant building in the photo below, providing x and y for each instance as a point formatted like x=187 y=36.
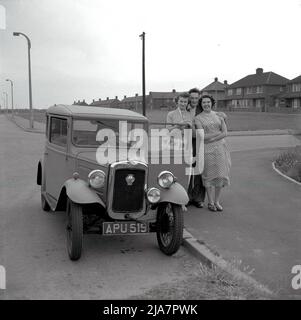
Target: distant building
x=132 y=103
x=292 y=93
x=217 y=90
x=108 y=103
x=162 y=100
x=154 y=101
x=80 y=103
x=256 y=92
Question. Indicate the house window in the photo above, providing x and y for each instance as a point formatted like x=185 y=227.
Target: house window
x=259 y=103
x=259 y=89
x=230 y=92
x=296 y=103
x=296 y=87
x=249 y=90
x=238 y=91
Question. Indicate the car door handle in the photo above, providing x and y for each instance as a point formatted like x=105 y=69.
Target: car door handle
x=46 y=153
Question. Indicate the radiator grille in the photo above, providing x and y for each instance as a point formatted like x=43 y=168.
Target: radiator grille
x=128 y=198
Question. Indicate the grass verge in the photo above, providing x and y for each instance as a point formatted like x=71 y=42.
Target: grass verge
x=206 y=284
x=289 y=163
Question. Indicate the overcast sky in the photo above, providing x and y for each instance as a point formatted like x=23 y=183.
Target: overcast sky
x=90 y=49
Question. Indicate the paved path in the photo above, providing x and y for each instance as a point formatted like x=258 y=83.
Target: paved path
x=261 y=223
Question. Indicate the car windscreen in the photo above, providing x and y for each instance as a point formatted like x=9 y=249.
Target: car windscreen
x=91 y=132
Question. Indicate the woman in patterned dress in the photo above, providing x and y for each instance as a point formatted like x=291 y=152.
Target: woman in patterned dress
x=217 y=159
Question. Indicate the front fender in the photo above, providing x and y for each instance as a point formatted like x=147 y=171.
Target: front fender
x=79 y=192
x=175 y=194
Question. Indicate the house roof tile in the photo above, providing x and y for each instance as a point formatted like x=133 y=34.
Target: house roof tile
x=258 y=79
x=296 y=80
x=215 y=86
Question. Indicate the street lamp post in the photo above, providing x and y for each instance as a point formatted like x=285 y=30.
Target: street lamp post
x=142 y=36
x=12 y=96
x=29 y=76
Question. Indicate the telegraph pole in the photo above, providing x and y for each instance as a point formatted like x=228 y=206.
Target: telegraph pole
x=142 y=36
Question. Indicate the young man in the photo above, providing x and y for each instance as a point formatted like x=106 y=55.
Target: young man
x=196 y=190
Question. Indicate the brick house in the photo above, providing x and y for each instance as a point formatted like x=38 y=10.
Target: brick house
x=154 y=101
x=108 y=103
x=133 y=103
x=80 y=103
x=217 y=90
x=255 y=92
x=161 y=100
x=292 y=94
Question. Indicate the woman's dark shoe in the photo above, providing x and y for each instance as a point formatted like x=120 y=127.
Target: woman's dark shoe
x=218 y=207
x=212 y=207
x=198 y=204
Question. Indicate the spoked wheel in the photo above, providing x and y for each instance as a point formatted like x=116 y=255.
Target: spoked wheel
x=169 y=227
x=44 y=204
x=74 y=229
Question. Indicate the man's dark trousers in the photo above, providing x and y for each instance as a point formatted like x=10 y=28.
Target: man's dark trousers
x=196 y=189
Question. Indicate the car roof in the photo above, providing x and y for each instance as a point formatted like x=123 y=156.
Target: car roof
x=94 y=112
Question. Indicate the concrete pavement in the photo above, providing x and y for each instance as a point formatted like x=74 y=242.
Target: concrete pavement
x=260 y=227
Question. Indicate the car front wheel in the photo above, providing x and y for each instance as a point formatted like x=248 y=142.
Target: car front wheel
x=74 y=229
x=169 y=227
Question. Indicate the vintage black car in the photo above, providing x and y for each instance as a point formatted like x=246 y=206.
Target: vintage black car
x=114 y=198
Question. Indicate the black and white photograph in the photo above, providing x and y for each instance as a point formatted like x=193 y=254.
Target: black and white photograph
x=150 y=150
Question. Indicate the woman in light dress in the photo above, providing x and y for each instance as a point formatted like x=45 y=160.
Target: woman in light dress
x=217 y=159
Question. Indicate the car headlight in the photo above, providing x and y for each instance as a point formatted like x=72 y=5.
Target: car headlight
x=96 y=178
x=166 y=179
x=153 y=195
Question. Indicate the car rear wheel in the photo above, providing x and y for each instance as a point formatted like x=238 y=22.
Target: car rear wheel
x=74 y=229
x=169 y=227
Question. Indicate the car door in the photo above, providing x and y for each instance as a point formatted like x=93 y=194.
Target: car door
x=56 y=156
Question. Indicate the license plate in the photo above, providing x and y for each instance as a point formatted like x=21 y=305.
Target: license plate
x=124 y=227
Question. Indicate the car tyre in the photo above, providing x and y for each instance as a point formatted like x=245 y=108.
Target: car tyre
x=169 y=227
x=74 y=229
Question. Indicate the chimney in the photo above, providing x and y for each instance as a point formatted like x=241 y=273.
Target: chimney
x=259 y=71
x=173 y=90
x=136 y=95
x=78 y=101
x=107 y=98
x=74 y=102
x=215 y=79
x=84 y=101
x=225 y=82
x=116 y=97
x=99 y=99
x=93 y=101
x=124 y=97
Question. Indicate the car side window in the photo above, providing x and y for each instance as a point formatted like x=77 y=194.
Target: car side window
x=58 y=131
